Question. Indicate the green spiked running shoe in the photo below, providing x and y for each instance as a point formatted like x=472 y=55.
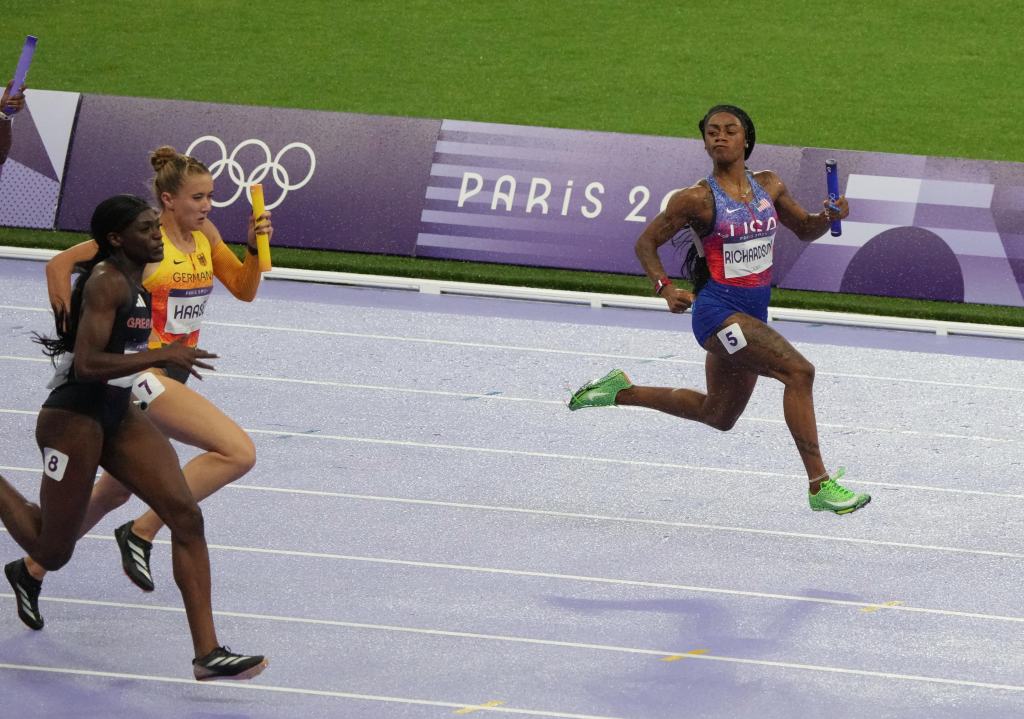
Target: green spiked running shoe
x=834 y=497
x=600 y=392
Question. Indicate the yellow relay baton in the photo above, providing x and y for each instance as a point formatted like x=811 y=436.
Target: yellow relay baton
x=262 y=239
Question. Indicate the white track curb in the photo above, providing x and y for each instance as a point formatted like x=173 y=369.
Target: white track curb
x=597 y=300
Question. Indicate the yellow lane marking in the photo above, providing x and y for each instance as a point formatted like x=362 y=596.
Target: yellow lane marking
x=875 y=608
x=470 y=710
x=677 y=657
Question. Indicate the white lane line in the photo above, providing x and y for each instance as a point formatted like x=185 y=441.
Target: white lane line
x=552 y=402
x=933 y=382
x=538 y=642
x=424 y=340
x=598 y=460
x=592 y=580
x=459 y=343
x=630 y=520
x=574 y=353
x=382 y=388
x=292 y=690
x=671 y=360
x=26 y=308
x=564 y=403
x=602 y=518
x=612 y=581
x=886 y=430
x=610 y=460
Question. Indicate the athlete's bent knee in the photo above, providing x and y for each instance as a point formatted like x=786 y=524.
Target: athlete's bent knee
x=185 y=521
x=53 y=559
x=111 y=497
x=245 y=454
x=723 y=424
x=238 y=451
x=800 y=373
x=807 y=372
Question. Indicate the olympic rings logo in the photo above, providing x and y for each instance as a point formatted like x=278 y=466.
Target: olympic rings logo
x=260 y=172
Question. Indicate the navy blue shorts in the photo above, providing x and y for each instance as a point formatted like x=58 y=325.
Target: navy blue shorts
x=177 y=373
x=716 y=302
x=105 y=403
x=174 y=372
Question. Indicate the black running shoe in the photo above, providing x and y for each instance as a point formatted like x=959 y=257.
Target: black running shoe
x=26 y=593
x=135 y=556
x=222 y=663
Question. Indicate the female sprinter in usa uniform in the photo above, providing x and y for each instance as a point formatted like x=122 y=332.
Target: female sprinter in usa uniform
x=180 y=285
x=88 y=420
x=733 y=214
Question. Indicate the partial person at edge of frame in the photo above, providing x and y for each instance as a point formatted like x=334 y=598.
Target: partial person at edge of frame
x=9 y=107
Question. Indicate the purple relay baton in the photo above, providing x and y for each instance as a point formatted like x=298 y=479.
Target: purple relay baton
x=832 y=179
x=23 y=63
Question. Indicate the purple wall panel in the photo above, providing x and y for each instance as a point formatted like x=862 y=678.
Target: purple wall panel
x=556 y=198
x=955 y=244
x=364 y=194
x=941 y=228
x=30 y=179
x=920 y=227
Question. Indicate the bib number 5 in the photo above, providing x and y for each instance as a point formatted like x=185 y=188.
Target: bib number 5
x=732 y=338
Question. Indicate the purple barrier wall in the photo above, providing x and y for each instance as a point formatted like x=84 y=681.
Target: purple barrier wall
x=930 y=228
x=557 y=198
x=332 y=180
x=30 y=180
x=921 y=227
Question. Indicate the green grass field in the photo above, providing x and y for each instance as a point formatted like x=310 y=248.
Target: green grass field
x=920 y=77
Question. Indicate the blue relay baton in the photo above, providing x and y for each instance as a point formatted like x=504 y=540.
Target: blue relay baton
x=832 y=178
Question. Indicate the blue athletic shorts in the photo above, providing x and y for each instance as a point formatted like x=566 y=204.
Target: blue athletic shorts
x=716 y=302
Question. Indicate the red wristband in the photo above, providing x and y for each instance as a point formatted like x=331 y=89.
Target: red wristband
x=661 y=284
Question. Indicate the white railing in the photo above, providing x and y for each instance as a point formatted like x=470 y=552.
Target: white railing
x=596 y=299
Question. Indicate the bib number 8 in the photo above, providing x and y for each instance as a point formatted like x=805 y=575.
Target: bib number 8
x=55 y=463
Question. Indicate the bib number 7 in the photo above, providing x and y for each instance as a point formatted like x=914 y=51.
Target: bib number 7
x=146 y=388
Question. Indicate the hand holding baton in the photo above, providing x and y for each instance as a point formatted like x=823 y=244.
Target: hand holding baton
x=832 y=180
x=27 y=50
x=262 y=238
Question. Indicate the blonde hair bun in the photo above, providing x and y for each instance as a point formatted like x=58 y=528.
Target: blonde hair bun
x=161 y=156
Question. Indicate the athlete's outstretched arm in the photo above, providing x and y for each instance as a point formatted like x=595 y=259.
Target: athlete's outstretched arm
x=685 y=207
x=804 y=225
x=58 y=276
x=104 y=292
x=241 y=278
